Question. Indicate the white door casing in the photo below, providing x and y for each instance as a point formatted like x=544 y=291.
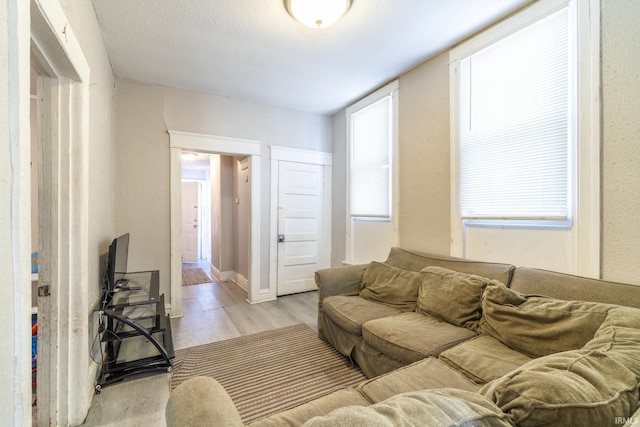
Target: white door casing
x=190 y=225
x=322 y=162
x=203 y=143
x=299 y=226
x=65 y=377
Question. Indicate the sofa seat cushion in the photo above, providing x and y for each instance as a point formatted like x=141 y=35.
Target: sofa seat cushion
x=483 y=359
x=443 y=407
x=426 y=374
x=321 y=406
x=351 y=312
x=409 y=337
x=538 y=326
x=390 y=285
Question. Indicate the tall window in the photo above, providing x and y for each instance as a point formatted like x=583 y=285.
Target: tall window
x=371 y=135
x=525 y=148
x=370 y=160
x=515 y=124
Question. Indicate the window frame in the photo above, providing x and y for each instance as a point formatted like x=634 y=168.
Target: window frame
x=584 y=153
x=391 y=89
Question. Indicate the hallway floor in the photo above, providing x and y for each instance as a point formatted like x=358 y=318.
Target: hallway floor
x=212 y=312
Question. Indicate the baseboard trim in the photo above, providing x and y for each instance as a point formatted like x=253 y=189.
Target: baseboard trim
x=222 y=276
x=240 y=280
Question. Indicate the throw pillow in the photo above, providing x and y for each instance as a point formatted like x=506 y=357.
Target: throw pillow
x=572 y=388
x=538 y=326
x=390 y=285
x=451 y=296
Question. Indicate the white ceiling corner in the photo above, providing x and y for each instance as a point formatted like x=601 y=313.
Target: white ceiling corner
x=253 y=50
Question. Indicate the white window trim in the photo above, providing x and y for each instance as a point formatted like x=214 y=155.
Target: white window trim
x=586 y=259
x=389 y=89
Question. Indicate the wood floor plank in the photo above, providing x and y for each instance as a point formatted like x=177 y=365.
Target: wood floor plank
x=218 y=311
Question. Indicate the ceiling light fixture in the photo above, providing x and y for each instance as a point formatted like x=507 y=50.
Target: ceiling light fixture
x=317 y=13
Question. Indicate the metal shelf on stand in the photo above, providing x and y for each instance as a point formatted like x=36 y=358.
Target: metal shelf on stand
x=137 y=331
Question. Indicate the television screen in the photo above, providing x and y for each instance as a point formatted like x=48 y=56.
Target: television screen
x=117 y=261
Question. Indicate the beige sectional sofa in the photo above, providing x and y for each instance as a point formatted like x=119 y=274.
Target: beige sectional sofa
x=447 y=341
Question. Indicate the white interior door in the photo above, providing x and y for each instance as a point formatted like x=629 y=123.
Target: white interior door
x=300 y=210
x=190 y=225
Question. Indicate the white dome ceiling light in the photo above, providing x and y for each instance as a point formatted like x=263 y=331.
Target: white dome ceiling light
x=317 y=13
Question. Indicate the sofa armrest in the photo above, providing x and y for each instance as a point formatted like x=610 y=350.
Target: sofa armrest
x=339 y=280
x=201 y=401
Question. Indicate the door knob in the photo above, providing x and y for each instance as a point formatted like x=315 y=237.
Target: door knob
x=280 y=238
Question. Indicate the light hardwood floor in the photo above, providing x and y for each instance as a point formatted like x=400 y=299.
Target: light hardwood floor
x=212 y=312
x=219 y=311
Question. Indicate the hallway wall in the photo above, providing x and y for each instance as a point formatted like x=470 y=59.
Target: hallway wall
x=144 y=113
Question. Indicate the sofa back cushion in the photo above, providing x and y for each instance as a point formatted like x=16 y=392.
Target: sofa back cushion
x=595 y=385
x=538 y=326
x=451 y=296
x=390 y=285
x=569 y=287
x=415 y=261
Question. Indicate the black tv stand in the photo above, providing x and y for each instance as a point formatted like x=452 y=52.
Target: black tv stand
x=136 y=331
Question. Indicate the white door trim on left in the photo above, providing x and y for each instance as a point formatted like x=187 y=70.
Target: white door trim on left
x=65 y=375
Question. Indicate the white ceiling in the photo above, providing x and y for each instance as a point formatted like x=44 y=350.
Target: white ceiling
x=253 y=50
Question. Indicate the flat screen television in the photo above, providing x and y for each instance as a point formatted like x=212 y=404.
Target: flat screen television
x=117 y=263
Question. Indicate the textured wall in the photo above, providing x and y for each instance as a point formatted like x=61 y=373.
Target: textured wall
x=423 y=145
x=339 y=193
x=425 y=222
x=621 y=140
x=144 y=113
x=425 y=158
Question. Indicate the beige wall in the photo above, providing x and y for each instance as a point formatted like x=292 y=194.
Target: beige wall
x=241 y=203
x=82 y=18
x=621 y=140
x=100 y=190
x=142 y=191
x=425 y=158
x=339 y=188
x=423 y=149
x=144 y=113
x=221 y=212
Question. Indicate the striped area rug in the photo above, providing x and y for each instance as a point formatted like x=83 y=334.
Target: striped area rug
x=270 y=371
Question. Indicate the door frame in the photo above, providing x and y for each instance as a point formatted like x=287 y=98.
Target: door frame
x=178 y=141
x=287 y=154
x=65 y=377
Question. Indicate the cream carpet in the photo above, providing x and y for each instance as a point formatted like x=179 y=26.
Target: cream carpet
x=194 y=276
x=269 y=371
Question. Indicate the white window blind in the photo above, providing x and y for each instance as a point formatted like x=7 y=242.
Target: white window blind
x=515 y=125
x=370 y=169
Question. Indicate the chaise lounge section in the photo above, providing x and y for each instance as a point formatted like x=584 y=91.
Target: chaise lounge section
x=451 y=341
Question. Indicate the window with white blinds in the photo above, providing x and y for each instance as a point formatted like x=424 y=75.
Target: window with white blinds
x=515 y=115
x=370 y=157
